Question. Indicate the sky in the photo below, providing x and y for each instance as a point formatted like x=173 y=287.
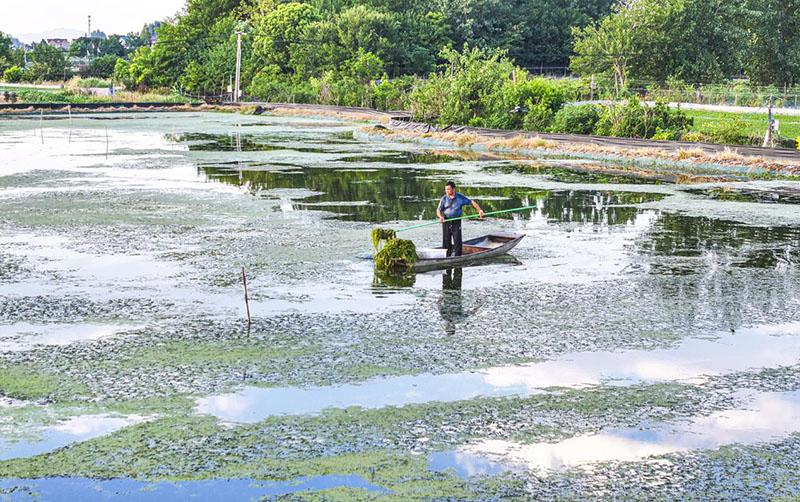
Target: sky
x=18 y=17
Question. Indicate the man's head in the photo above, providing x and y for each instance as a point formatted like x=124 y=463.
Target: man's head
x=450 y=188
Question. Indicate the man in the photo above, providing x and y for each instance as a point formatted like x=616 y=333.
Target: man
x=450 y=207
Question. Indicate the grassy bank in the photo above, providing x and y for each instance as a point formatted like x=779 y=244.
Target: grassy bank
x=750 y=123
x=71 y=96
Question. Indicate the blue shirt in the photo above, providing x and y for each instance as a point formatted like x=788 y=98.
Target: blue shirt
x=451 y=208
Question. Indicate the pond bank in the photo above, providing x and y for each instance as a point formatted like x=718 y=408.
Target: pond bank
x=681 y=162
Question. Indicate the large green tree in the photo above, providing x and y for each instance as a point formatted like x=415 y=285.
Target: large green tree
x=773 y=55
x=654 y=40
x=606 y=47
x=6 y=53
x=49 y=63
x=534 y=32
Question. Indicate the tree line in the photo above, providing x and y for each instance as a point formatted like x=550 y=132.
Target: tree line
x=620 y=43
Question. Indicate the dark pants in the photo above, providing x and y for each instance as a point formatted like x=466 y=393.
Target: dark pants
x=451 y=237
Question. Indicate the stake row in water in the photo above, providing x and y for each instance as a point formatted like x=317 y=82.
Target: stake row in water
x=466 y=217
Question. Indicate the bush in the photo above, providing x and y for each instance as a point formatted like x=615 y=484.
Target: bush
x=538 y=118
x=730 y=131
x=392 y=94
x=485 y=89
x=581 y=119
x=13 y=74
x=269 y=85
x=536 y=100
x=696 y=137
x=785 y=142
x=637 y=120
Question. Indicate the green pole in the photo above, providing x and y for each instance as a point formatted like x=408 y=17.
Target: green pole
x=466 y=217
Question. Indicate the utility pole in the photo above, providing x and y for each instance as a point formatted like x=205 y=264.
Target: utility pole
x=236 y=93
x=770 y=125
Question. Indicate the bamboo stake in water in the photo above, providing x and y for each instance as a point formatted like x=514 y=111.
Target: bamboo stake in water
x=69 y=111
x=246 y=299
x=466 y=217
x=41 y=124
x=106 y=142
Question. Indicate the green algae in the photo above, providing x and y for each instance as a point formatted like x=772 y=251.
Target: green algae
x=381 y=234
x=18 y=381
x=224 y=353
x=160 y=369
x=397 y=255
x=285 y=447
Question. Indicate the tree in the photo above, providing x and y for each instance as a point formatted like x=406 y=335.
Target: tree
x=83 y=47
x=6 y=54
x=112 y=46
x=773 y=55
x=361 y=28
x=606 y=47
x=49 y=63
x=534 y=32
x=655 y=40
x=280 y=31
x=12 y=74
x=102 y=67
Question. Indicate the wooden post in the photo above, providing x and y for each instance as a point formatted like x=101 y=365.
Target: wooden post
x=246 y=299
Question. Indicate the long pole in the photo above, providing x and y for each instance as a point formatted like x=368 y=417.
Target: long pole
x=466 y=217
x=237 y=94
x=246 y=298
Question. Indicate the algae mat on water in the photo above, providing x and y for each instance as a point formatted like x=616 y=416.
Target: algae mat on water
x=649 y=323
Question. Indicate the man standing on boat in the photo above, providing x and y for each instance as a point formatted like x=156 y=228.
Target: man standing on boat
x=450 y=207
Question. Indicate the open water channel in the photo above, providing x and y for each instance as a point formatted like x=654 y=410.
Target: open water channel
x=642 y=341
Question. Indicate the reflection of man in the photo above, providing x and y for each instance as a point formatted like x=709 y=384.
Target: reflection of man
x=451 y=207
x=450 y=306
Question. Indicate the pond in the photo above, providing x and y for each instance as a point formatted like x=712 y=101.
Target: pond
x=641 y=330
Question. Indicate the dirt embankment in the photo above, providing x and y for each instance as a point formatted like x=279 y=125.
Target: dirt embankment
x=61 y=108
x=736 y=160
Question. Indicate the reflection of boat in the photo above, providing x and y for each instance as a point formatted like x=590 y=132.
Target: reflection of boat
x=474 y=250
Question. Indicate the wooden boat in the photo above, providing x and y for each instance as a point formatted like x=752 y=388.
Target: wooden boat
x=474 y=250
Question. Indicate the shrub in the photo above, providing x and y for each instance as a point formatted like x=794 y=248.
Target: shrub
x=85 y=83
x=392 y=94
x=13 y=74
x=528 y=103
x=730 y=131
x=580 y=119
x=637 y=120
x=696 y=137
x=539 y=117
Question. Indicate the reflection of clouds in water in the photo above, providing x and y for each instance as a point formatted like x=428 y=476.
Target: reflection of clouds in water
x=583 y=253
x=693 y=360
x=767 y=416
x=39 y=439
x=53 y=254
x=23 y=336
x=465 y=464
x=92 y=425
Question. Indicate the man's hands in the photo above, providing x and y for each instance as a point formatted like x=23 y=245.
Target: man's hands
x=480 y=213
x=441 y=219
